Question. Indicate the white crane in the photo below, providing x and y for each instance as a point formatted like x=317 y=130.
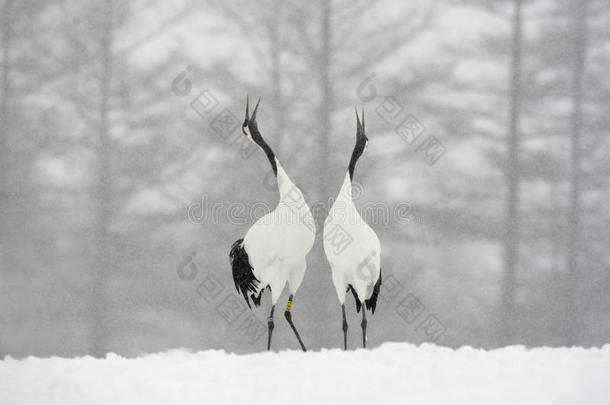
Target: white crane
x=274 y=249
x=355 y=261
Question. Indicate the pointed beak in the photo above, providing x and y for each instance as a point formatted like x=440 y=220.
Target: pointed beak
x=359 y=126
x=363 y=127
x=253 y=119
x=247 y=111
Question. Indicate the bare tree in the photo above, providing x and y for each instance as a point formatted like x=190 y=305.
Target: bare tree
x=573 y=277
x=102 y=193
x=4 y=128
x=7 y=36
x=511 y=241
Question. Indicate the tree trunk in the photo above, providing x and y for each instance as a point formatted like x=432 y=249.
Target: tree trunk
x=7 y=33
x=7 y=36
x=102 y=195
x=320 y=287
x=574 y=215
x=511 y=248
x=276 y=77
x=327 y=96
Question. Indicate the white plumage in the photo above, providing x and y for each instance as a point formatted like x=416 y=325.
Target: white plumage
x=352 y=247
x=273 y=252
x=279 y=241
x=358 y=263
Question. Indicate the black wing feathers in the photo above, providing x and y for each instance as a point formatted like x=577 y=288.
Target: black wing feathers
x=358 y=303
x=244 y=278
x=371 y=303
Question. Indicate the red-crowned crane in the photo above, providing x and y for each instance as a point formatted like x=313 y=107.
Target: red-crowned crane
x=274 y=248
x=355 y=265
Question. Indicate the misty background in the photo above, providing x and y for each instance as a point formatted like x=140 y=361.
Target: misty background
x=487 y=120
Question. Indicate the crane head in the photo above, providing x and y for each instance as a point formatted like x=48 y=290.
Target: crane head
x=361 y=139
x=250 y=127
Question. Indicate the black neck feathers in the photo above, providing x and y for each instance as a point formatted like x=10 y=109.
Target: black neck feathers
x=258 y=138
x=358 y=149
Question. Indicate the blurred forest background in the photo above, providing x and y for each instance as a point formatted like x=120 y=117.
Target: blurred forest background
x=110 y=163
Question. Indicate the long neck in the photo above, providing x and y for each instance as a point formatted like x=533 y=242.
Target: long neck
x=352 y=166
x=270 y=156
x=357 y=152
x=257 y=137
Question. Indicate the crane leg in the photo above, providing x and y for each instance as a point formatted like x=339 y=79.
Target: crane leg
x=363 y=324
x=270 y=325
x=344 y=327
x=288 y=316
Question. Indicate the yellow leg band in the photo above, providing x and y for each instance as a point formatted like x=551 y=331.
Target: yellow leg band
x=289 y=306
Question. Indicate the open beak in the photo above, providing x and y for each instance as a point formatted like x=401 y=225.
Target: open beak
x=249 y=120
x=245 y=124
x=247 y=109
x=253 y=119
x=359 y=126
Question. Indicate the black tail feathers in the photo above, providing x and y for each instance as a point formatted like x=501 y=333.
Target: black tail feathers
x=358 y=302
x=371 y=303
x=244 y=278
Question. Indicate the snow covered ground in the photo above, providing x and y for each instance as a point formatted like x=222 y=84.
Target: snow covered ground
x=393 y=373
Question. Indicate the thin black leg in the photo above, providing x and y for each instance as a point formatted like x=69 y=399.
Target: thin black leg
x=344 y=327
x=271 y=326
x=363 y=324
x=288 y=316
